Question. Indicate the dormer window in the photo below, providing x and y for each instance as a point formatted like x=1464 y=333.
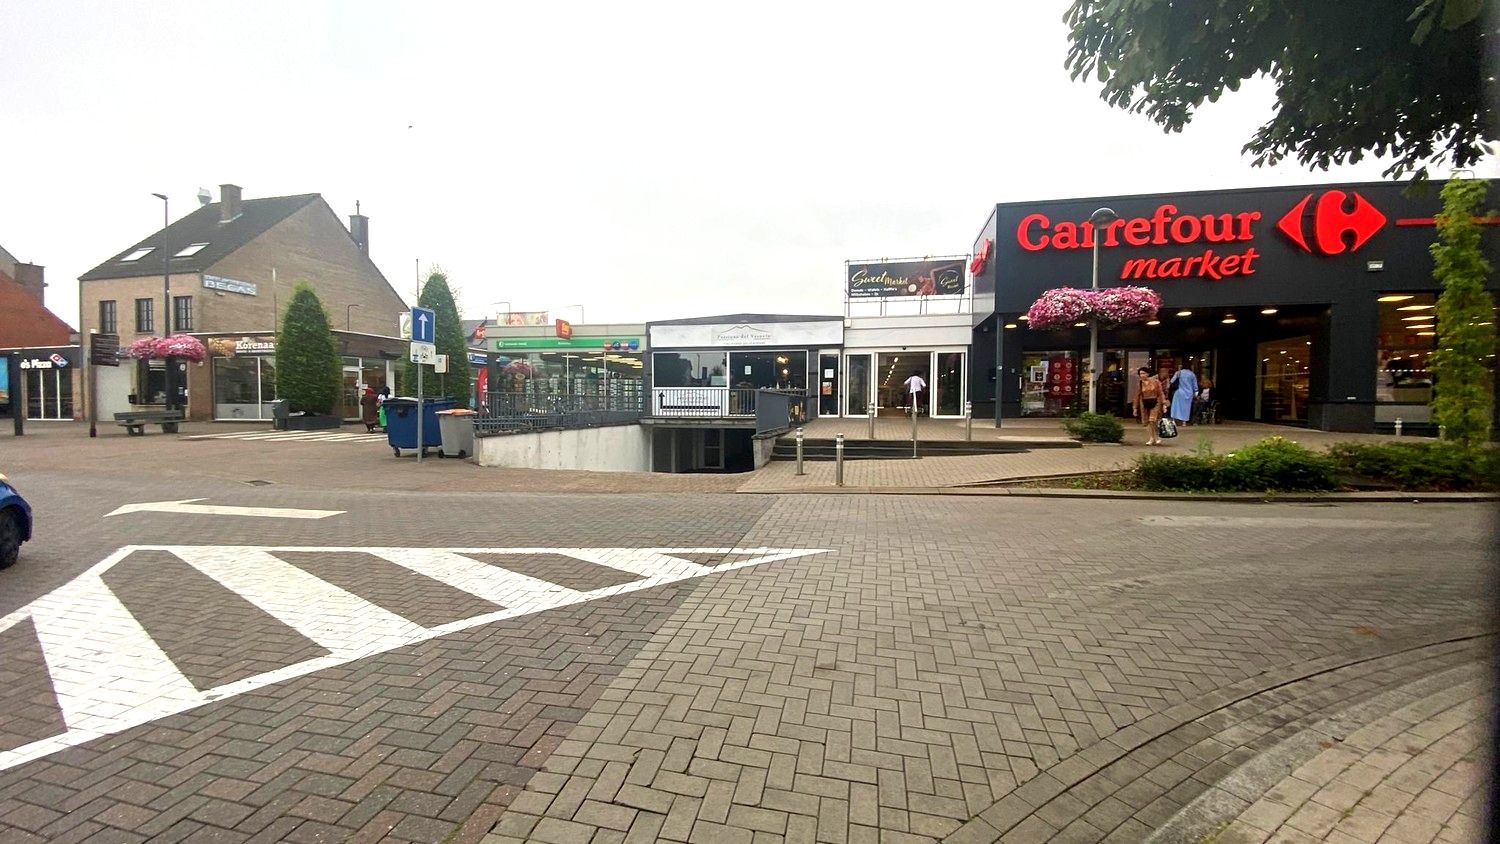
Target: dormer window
x=139 y=253
x=190 y=250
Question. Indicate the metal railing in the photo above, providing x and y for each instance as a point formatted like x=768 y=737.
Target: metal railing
x=507 y=412
x=713 y=402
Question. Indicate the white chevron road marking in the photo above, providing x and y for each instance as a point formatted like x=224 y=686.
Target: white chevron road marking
x=109 y=675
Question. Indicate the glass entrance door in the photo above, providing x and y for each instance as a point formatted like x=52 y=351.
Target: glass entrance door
x=349 y=394
x=948 y=379
x=1282 y=380
x=857 y=385
x=828 y=384
x=892 y=371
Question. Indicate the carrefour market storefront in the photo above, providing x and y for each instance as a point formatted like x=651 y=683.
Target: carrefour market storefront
x=1308 y=305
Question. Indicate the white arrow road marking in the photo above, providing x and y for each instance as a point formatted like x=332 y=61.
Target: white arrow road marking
x=186 y=505
x=110 y=675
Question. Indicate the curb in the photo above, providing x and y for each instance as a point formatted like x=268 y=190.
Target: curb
x=1010 y=811
x=1132 y=495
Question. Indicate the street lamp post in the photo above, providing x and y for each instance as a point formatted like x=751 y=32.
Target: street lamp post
x=581 y=318
x=166 y=289
x=1099 y=220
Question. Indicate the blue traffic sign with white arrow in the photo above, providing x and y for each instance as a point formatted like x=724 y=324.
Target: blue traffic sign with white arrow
x=423 y=325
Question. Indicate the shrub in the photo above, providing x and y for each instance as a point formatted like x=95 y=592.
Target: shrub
x=310 y=374
x=1095 y=428
x=1431 y=465
x=1276 y=464
x=1177 y=472
x=1271 y=465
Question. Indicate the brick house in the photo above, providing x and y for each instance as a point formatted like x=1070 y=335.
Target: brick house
x=46 y=379
x=233 y=265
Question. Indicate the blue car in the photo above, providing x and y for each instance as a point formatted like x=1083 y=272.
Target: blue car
x=15 y=523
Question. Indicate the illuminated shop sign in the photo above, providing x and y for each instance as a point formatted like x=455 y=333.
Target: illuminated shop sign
x=1338 y=222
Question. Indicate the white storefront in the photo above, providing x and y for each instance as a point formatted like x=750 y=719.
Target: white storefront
x=882 y=352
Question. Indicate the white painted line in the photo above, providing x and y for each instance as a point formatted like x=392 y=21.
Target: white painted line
x=1276 y=522
x=646 y=562
x=73 y=642
x=187 y=506
x=509 y=589
x=103 y=663
x=344 y=623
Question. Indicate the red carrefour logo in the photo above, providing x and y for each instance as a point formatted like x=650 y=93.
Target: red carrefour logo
x=1331 y=222
x=981 y=257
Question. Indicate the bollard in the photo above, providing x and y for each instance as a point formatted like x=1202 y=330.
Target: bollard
x=800 y=473
x=838 y=460
x=872 y=423
x=1398 y=426
x=914 y=425
x=969 y=421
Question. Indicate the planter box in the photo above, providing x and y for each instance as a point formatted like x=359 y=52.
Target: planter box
x=312 y=423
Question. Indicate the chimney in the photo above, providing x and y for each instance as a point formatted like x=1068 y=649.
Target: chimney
x=359 y=229
x=229 y=202
x=30 y=276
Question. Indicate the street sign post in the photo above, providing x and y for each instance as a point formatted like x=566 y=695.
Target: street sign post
x=440 y=364
x=423 y=325
x=423 y=352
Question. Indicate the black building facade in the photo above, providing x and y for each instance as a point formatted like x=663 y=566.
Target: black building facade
x=1306 y=305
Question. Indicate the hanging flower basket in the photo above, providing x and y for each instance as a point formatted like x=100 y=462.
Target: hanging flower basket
x=1064 y=306
x=518 y=368
x=182 y=346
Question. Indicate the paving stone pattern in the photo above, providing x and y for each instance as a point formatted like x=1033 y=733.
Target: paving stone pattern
x=1413 y=777
x=970 y=661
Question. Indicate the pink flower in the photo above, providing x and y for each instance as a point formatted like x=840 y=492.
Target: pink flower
x=1063 y=306
x=182 y=346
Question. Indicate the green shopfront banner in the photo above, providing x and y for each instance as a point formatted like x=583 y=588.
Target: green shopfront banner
x=623 y=343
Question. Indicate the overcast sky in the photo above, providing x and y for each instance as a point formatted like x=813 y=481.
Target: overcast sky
x=643 y=159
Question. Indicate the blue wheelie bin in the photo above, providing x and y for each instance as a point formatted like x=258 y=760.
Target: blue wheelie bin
x=401 y=423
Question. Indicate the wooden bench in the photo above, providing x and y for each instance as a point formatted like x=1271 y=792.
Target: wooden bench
x=135 y=421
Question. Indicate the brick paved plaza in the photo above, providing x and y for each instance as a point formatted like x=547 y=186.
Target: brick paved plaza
x=581 y=657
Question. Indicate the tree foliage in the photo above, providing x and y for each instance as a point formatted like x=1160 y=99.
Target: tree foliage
x=1394 y=77
x=1464 y=382
x=309 y=373
x=449 y=334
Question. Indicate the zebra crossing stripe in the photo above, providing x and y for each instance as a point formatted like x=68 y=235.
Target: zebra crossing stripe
x=511 y=590
x=109 y=675
x=342 y=622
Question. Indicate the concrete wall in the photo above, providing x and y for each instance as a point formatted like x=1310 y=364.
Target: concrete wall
x=613 y=448
x=763 y=448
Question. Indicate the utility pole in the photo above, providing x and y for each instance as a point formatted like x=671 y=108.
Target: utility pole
x=166 y=289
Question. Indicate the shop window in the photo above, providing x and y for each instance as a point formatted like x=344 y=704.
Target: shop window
x=144 y=324
x=244 y=387
x=49 y=394
x=1050 y=383
x=107 y=319
x=689 y=369
x=1407 y=339
x=769 y=370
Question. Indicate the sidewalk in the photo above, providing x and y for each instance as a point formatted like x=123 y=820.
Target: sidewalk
x=930 y=472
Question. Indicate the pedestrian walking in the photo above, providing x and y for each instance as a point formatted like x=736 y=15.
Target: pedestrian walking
x=385 y=395
x=1186 y=383
x=914 y=386
x=1150 y=399
x=369 y=406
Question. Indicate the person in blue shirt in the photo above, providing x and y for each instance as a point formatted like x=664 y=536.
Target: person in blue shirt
x=1185 y=383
